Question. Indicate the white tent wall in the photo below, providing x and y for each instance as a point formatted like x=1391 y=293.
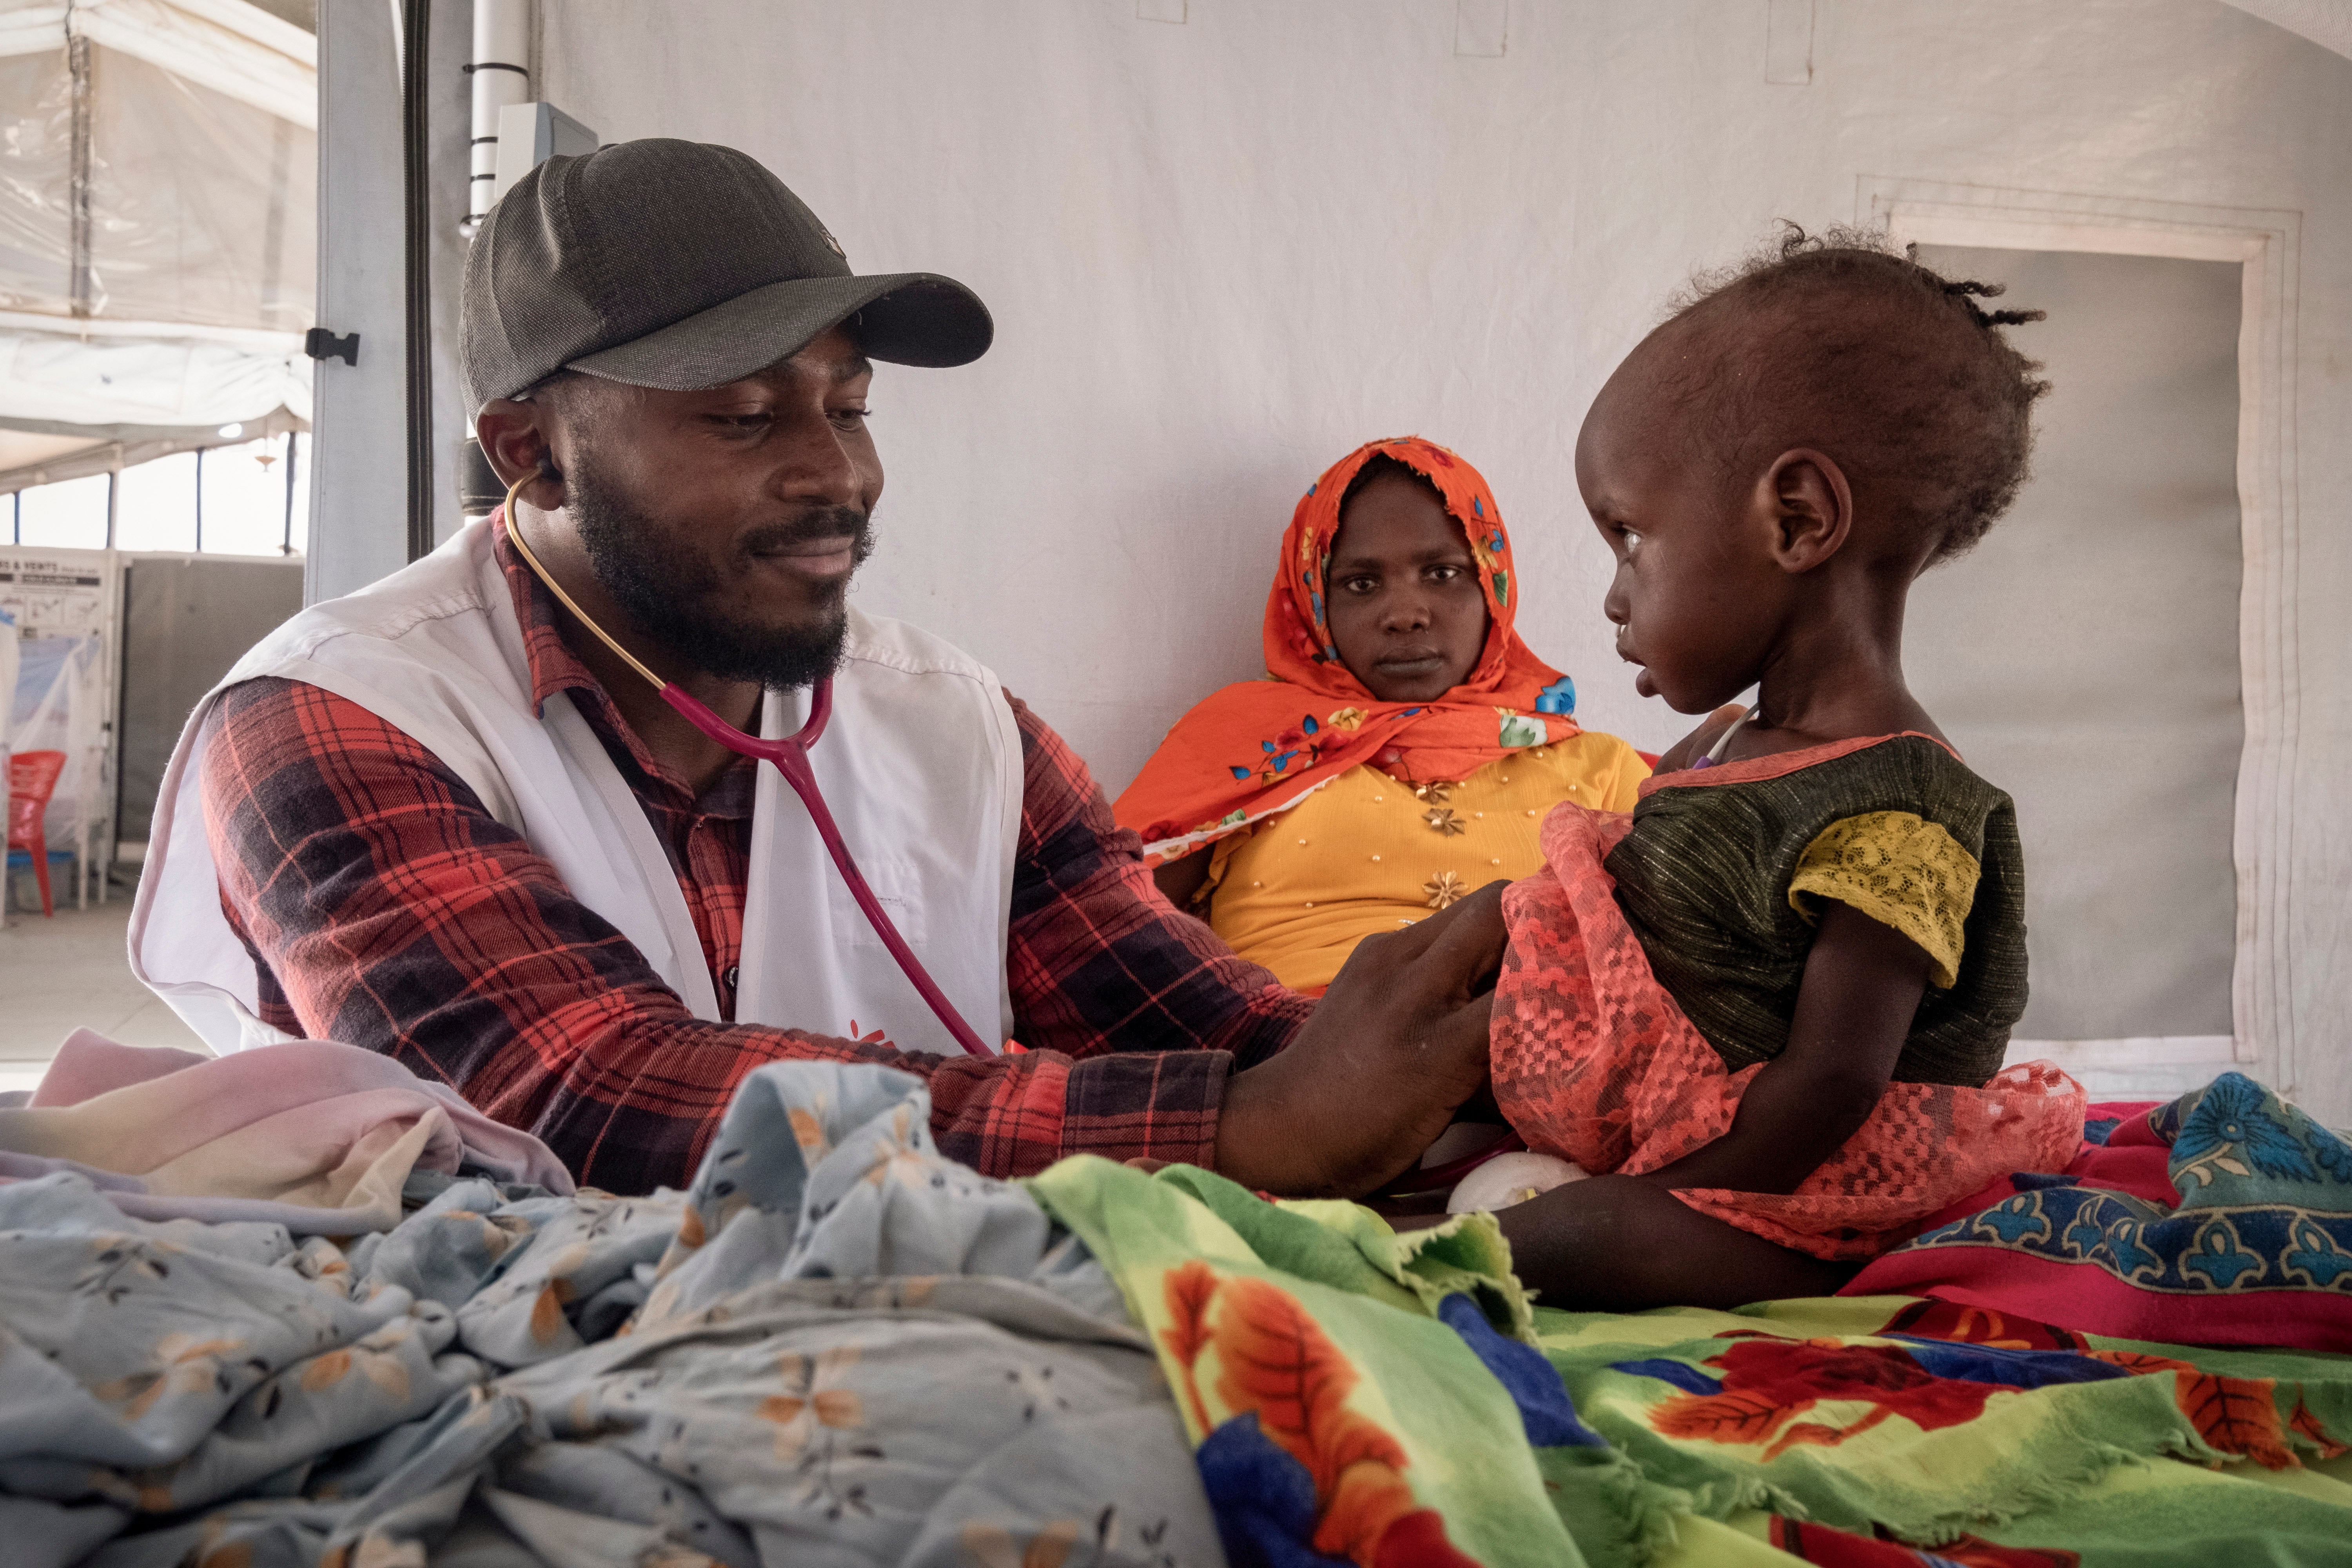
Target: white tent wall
x=1224 y=247
x=358 y=474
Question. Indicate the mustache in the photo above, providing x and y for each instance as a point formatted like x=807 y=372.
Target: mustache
x=815 y=526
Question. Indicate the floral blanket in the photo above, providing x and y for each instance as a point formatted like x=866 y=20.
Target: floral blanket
x=1836 y=1430
x=2223 y=1217
x=1357 y=1396
x=836 y=1348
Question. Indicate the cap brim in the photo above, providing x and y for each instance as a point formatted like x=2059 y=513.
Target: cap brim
x=903 y=318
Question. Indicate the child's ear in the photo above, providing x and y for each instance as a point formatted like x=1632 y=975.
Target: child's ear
x=1810 y=508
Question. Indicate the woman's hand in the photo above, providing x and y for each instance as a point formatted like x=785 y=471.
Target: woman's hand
x=1861 y=990
x=1397 y=1043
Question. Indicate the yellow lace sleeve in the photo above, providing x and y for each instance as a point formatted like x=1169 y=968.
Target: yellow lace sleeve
x=1900 y=870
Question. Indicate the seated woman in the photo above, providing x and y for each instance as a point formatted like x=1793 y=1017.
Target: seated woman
x=1405 y=744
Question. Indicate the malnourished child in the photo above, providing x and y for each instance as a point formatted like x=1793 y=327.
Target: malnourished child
x=1772 y=1004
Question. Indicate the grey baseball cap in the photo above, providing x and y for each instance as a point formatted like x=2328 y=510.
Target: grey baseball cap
x=679 y=265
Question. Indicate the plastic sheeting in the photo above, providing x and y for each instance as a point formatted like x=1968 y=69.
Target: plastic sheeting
x=203 y=208
x=158 y=179
x=46 y=376
x=11 y=660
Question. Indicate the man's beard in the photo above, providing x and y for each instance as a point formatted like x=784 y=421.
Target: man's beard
x=669 y=593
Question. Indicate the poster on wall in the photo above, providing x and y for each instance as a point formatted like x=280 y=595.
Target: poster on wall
x=67 y=606
x=59 y=593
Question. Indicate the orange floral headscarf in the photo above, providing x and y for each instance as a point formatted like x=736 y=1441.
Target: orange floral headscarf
x=1257 y=747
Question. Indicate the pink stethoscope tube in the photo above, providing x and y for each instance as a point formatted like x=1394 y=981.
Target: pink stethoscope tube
x=791 y=758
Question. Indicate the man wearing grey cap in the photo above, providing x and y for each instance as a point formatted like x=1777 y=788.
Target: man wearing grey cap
x=442 y=819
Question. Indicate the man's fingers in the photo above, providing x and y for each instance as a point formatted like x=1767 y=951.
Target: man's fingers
x=1462 y=1035
x=1471 y=945
x=1408 y=943
x=1428 y=965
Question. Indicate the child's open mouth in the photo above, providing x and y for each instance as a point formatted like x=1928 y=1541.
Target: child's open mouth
x=1642 y=684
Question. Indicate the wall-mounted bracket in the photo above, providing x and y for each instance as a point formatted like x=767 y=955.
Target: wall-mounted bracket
x=321 y=343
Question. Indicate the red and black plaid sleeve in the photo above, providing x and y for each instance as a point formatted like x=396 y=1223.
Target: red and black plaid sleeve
x=385 y=907
x=1099 y=959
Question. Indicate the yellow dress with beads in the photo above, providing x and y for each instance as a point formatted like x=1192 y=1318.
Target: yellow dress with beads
x=1366 y=852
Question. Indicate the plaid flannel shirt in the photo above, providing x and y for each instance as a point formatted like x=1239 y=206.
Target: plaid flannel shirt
x=384 y=906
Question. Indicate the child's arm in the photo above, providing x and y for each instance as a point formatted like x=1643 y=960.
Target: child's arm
x=1862 y=988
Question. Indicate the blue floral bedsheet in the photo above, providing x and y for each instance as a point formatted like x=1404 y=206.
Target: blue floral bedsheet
x=845 y=1349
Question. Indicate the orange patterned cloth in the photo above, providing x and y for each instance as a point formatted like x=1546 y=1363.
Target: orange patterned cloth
x=1256 y=747
x=1595 y=1062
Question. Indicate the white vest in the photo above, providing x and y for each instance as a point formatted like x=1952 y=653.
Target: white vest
x=921 y=765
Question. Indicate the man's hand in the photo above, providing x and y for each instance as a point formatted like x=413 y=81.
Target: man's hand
x=1397 y=1043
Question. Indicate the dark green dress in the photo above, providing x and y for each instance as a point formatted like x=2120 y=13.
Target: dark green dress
x=1703 y=877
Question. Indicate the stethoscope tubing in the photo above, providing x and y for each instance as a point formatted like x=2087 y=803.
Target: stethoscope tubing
x=790 y=757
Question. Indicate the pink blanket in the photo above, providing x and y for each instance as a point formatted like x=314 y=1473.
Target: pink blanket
x=313 y=1136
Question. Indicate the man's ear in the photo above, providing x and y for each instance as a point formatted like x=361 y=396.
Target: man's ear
x=515 y=438
x=1808 y=508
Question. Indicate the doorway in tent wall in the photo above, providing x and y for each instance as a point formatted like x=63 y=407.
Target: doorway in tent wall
x=2120 y=652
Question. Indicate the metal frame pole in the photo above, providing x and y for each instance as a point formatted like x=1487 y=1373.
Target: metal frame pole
x=286 y=545
x=81 y=279
x=416 y=126
x=200 y=501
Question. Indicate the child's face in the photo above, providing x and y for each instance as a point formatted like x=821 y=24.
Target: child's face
x=1696 y=594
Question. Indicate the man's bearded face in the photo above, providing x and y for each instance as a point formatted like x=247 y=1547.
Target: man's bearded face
x=673 y=594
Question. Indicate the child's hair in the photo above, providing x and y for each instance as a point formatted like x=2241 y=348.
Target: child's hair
x=1835 y=341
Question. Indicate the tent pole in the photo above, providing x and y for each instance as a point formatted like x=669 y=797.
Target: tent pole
x=286 y=545
x=80 y=283
x=200 y=501
x=114 y=483
x=501 y=76
x=414 y=129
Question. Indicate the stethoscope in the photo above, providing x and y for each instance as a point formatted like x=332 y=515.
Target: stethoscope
x=791 y=757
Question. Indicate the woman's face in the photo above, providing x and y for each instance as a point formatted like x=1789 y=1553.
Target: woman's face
x=1402 y=596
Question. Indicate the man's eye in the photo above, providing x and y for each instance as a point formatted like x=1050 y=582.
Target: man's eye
x=1632 y=539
